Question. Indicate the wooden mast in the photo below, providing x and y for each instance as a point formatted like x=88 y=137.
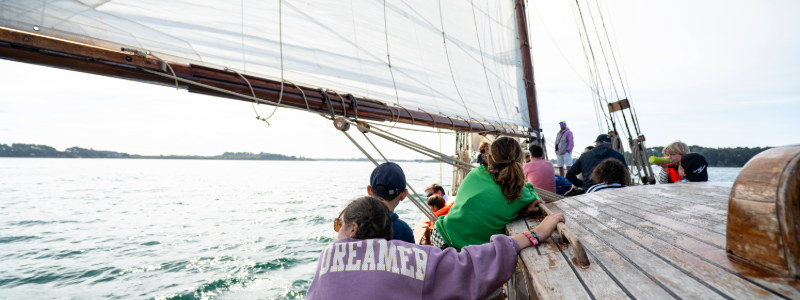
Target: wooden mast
x=527 y=69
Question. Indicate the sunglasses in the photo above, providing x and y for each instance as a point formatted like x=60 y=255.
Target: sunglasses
x=430 y=194
x=337 y=224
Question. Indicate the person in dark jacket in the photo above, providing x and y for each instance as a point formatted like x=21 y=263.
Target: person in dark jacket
x=590 y=160
x=388 y=183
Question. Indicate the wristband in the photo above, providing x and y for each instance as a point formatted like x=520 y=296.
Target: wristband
x=533 y=238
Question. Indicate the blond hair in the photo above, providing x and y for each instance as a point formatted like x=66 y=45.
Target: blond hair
x=676 y=147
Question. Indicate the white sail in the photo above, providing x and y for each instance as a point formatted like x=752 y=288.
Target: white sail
x=460 y=61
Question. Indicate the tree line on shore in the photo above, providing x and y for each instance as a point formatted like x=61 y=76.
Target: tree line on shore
x=30 y=150
x=716 y=157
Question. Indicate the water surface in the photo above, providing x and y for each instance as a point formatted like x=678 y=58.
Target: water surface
x=178 y=229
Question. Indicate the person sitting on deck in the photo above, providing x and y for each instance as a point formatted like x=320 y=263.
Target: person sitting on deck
x=587 y=149
x=562 y=185
x=588 y=161
x=435 y=189
x=539 y=171
x=488 y=199
x=388 y=182
x=610 y=174
x=437 y=204
x=697 y=166
x=483 y=148
x=669 y=171
x=379 y=268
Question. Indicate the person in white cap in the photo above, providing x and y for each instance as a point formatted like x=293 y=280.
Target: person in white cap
x=564 y=145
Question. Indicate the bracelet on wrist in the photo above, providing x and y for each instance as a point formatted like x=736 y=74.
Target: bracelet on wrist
x=531 y=237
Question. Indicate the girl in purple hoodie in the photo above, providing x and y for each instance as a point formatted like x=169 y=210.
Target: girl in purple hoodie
x=365 y=264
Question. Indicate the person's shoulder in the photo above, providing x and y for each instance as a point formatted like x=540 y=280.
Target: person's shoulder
x=400 y=223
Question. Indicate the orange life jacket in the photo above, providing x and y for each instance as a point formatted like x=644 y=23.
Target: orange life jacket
x=673 y=173
x=442 y=212
x=445 y=209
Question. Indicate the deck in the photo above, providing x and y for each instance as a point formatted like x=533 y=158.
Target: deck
x=644 y=242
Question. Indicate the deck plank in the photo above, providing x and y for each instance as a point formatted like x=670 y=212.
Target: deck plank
x=550 y=273
x=662 y=225
x=594 y=277
x=673 y=250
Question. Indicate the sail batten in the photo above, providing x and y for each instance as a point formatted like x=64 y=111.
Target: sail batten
x=461 y=61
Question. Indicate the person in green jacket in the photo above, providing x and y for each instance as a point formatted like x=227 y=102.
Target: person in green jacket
x=488 y=199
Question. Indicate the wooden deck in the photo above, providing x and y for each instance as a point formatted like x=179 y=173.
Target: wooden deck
x=645 y=242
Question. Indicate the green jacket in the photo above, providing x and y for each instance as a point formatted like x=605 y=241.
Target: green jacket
x=480 y=210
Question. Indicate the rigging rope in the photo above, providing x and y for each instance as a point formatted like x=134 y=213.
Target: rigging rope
x=480 y=49
x=280 y=39
x=449 y=65
x=389 y=58
x=258 y=117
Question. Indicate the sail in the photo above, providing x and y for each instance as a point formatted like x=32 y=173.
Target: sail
x=456 y=58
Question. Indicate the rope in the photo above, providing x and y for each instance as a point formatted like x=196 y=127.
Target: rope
x=359 y=148
x=328 y=102
x=480 y=48
x=424 y=148
x=415 y=147
x=449 y=65
x=344 y=108
x=355 y=105
x=280 y=39
x=170 y=69
x=258 y=117
x=430 y=115
x=304 y=96
x=423 y=208
x=388 y=57
x=215 y=88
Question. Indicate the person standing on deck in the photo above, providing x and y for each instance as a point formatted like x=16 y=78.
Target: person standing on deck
x=539 y=171
x=564 y=145
x=388 y=182
x=590 y=160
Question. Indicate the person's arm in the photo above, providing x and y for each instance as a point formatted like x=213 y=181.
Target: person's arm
x=478 y=270
x=570 y=142
x=572 y=174
x=663 y=176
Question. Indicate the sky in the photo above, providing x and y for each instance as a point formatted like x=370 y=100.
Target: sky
x=709 y=73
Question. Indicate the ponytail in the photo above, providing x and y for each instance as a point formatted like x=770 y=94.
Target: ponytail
x=506 y=167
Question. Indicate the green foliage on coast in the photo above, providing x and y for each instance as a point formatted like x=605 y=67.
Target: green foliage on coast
x=29 y=150
x=26 y=150
x=718 y=157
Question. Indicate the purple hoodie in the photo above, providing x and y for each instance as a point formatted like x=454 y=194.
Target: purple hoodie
x=380 y=269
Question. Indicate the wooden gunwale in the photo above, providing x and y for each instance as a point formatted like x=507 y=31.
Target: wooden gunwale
x=43 y=50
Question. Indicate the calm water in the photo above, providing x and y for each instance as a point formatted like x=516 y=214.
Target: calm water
x=177 y=229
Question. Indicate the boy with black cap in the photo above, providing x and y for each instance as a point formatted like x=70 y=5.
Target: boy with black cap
x=388 y=182
x=588 y=161
x=693 y=168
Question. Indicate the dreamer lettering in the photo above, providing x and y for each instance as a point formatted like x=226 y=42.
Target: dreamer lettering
x=374 y=255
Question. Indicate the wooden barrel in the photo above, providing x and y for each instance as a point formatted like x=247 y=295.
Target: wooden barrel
x=763 y=211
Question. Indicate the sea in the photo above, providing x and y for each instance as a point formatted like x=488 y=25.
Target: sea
x=179 y=229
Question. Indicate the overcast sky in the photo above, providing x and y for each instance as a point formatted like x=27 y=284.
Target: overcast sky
x=711 y=73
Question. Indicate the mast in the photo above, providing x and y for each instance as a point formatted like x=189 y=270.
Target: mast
x=527 y=69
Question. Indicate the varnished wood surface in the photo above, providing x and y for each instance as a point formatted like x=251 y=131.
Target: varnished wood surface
x=648 y=242
x=764 y=209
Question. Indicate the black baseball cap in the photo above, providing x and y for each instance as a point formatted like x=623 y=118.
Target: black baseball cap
x=603 y=138
x=391 y=176
x=695 y=167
